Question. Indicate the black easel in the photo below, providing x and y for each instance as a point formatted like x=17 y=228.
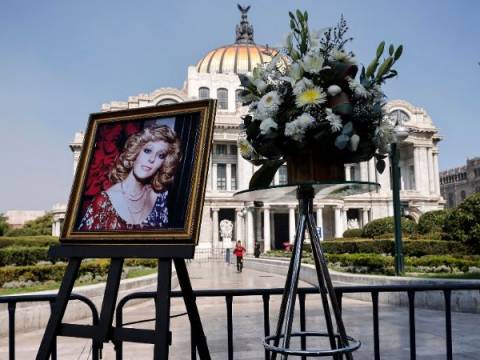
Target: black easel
x=104 y=331
x=340 y=343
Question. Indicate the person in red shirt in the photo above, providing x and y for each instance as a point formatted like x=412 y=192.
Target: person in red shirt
x=239 y=251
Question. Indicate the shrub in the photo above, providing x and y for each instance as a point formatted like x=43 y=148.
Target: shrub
x=22 y=255
x=40 y=226
x=432 y=221
x=352 y=233
x=386 y=226
x=463 y=223
x=373 y=262
x=4 y=226
x=28 y=241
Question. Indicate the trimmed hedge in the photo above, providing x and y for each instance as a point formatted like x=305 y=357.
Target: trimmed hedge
x=22 y=256
x=386 y=226
x=432 y=221
x=352 y=233
x=27 y=241
x=55 y=272
x=387 y=246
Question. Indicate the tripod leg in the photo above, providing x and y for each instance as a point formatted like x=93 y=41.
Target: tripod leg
x=318 y=254
x=198 y=336
x=288 y=299
x=162 y=310
x=59 y=308
x=322 y=287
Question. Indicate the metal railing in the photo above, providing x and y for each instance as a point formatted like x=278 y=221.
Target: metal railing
x=266 y=294
x=12 y=302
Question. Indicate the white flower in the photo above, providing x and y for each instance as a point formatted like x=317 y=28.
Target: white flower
x=312 y=63
x=358 y=88
x=334 y=90
x=296 y=129
x=354 y=140
x=301 y=85
x=342 y=57
x=266 y=125
x=295 y=71
x=268 y=104
x=246 y=149
x=261 y=85
x=310 y=96
x=334 y=120
x=384 y=136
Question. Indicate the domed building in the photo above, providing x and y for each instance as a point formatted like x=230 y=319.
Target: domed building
x=272 y=225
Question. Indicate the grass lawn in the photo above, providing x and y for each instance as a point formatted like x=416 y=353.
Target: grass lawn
x=55 y=285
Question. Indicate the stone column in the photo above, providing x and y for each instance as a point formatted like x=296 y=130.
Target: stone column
x=347 y=172
x=320 y=220
x=291 y=223
x=239 y=236
x=214 y=177
x=436 y=173
x=267 y=242
x=431 y=177
x=364 y=217
x=250 y=231
x=372 y=172
x=215 y=243
x=229 y=177
x=338 y=222
x=240 y=170
x=344 y=219
x=364 y=171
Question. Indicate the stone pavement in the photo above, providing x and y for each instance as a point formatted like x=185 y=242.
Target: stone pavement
x=248 y=324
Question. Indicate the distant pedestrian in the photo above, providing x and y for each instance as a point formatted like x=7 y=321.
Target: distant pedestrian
x=256 y=251
x=239 y=251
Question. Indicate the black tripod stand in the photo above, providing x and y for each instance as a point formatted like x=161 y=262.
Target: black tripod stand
x=340 y=343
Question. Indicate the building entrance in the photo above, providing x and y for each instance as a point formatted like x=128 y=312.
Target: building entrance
x=281 y=233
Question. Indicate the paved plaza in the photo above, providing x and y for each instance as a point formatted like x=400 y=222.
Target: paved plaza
x=248 y=324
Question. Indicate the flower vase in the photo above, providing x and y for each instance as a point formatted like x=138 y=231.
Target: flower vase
x=306 y=167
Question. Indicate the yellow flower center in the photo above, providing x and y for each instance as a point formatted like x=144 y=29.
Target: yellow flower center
x=310 y=96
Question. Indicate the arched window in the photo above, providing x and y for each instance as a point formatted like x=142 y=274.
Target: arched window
x=222 y=96
x=203 y=93
x=399 y=117
x=167 y=101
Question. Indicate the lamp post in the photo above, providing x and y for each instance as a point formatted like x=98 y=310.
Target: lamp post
x=401 y=133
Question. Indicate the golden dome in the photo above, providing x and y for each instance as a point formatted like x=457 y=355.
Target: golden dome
x=239 y=58
x=236 y=58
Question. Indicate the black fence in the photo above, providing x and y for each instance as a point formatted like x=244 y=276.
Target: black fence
x=265 y=295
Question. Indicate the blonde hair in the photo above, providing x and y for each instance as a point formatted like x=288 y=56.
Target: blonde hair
x=135 y=143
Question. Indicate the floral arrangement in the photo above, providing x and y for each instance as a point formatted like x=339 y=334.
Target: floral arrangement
x=309 y=98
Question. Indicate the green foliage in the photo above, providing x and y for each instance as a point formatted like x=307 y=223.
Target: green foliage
x=28 y=241
x=463 y=223
x=42 y=273
x=386 y=225
x=373 y=262
x=4 y=226
x=40 y=226
x=352 y=233
x=432 y=221
x=22 y=256
x=387 y=246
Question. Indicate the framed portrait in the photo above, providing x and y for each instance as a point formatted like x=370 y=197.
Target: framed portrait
x=141 y=176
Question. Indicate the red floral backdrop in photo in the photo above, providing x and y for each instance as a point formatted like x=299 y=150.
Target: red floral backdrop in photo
x=108 y=146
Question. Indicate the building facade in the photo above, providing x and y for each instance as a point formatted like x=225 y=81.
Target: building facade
x=458 y=183
x=273 y=224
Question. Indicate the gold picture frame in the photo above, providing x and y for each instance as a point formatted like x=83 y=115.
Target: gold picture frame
x=141 y=176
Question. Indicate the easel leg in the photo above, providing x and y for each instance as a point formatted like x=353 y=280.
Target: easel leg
x=59 y=308
x=162 y=310
x=109 y=300
x=198 y=336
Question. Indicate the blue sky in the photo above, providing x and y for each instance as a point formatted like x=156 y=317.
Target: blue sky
x=60 y=60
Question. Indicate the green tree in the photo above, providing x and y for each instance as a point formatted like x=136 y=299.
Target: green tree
x=4 y=226
x=39 y=226
x=463 y=223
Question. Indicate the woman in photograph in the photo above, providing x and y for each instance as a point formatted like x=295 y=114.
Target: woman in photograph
x=140 y=177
